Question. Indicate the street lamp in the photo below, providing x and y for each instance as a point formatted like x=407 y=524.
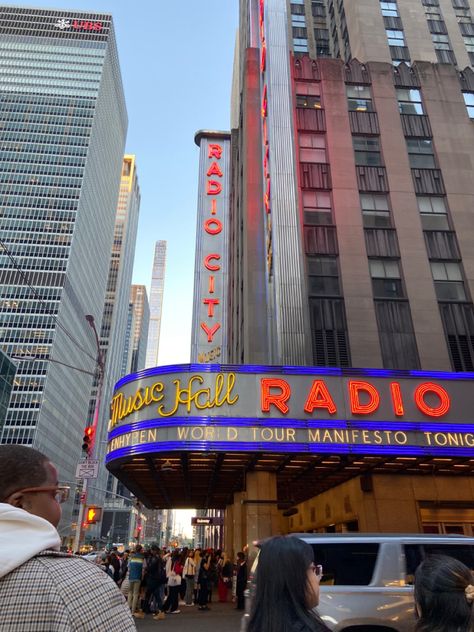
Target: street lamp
x=95 y=421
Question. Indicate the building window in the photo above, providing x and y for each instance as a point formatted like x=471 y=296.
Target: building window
x=469 y=43
x=441 y=42
x=359 y=99
x=297 y=9
x=375 y=212
x=317 y=207
x=458 y=322
x=420 y=153
x=298 y=20
x=397 y=338
x=312 y=148
x=329 y=332
x=386 y=280
x=367 y=151
x=433 y=212
x=469 y=101
x=323 y=277
x=449 y=285
x=389 y=9
x=395 y=38
x=409 y=101
x=307 y=101
x=300 y=45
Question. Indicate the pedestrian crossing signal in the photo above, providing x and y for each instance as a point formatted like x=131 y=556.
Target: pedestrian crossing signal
x=93 y=515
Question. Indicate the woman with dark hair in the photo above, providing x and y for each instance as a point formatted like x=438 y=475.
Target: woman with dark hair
x=444 y=595
x=287 y=588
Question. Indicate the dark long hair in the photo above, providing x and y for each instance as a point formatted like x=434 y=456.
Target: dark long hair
x=282 y=588
x=440 y=594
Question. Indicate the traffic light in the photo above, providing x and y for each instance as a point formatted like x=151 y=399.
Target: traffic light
x=88 y=439
x=93 y=514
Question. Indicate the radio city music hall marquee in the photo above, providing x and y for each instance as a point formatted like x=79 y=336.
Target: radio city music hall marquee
x=291 y=409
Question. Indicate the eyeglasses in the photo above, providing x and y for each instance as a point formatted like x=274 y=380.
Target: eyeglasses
x=60 y=496
x=317 y=569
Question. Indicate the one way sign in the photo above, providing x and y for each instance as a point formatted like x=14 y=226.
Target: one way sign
x=88 y=468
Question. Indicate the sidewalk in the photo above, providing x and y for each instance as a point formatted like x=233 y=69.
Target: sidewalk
x=221 y=618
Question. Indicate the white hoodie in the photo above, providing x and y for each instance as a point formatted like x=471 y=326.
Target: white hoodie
x=22 y=536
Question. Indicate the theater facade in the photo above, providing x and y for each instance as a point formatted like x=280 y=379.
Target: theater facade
x=284 y=448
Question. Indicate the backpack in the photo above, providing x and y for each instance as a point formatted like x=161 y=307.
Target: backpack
x=162 y=579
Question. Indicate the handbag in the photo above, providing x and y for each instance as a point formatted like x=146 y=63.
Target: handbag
x=174 y=580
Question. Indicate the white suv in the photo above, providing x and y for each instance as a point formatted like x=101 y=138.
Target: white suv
x=367 y=584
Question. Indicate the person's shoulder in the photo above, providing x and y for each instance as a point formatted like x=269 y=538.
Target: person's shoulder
x=88 y=593
x=65 y=568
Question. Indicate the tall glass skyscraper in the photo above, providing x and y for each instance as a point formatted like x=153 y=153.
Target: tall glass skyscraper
x=141 y=321
x=63 y=124
x=156 y=304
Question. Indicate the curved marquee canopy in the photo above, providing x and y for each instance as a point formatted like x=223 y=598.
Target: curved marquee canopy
x=185 y=435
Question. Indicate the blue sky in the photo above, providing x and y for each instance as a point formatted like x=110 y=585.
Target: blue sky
x=176 y=58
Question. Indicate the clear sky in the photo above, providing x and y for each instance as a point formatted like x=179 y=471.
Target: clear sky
x=176 y=58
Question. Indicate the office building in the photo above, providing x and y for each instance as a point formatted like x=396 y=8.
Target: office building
x=156 y=304
x=7 y=375
x=351 y=237
x=115 y=330
x=141 y=320
x=62 y=135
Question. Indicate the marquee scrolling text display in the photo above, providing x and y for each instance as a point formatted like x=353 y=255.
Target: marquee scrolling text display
x=291 y=409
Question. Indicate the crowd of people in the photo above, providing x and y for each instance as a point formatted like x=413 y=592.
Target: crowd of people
x=159 y=582
x=45 y=590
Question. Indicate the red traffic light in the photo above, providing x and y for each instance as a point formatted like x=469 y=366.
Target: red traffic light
x=88 y=439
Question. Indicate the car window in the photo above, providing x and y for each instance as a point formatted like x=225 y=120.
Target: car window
x=416 y=553
x=348 y=564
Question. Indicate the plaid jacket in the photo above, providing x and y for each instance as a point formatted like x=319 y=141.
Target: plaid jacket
x=56 y=592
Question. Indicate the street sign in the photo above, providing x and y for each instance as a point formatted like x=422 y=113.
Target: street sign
x=207 y=521
x=88 y=468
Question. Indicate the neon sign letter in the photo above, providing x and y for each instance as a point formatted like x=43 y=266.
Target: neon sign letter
x=214 y=170
x=213 y=187
x=427 y=387
x=277 y=399
x=215 y=151
x=374 y=398
x=213 y=267
x=210 y=333
x=319 y=397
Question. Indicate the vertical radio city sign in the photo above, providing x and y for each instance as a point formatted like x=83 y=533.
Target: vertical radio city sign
x=210 y=272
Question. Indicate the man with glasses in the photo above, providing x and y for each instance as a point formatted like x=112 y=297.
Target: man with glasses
x=41 y=589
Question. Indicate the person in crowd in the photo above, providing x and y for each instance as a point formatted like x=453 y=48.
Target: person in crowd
x=41 y=588
x=444 y=595
x=224 y=571
x=106 y=565
x=182 y=589
x=241 y=580
x=115 y=563
x=173 y=574
x=214 y=557
x=155 y=577
x=136 y=572
x=197 y=565
x=189 y=572
x=287 y=588
x=204 y=581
